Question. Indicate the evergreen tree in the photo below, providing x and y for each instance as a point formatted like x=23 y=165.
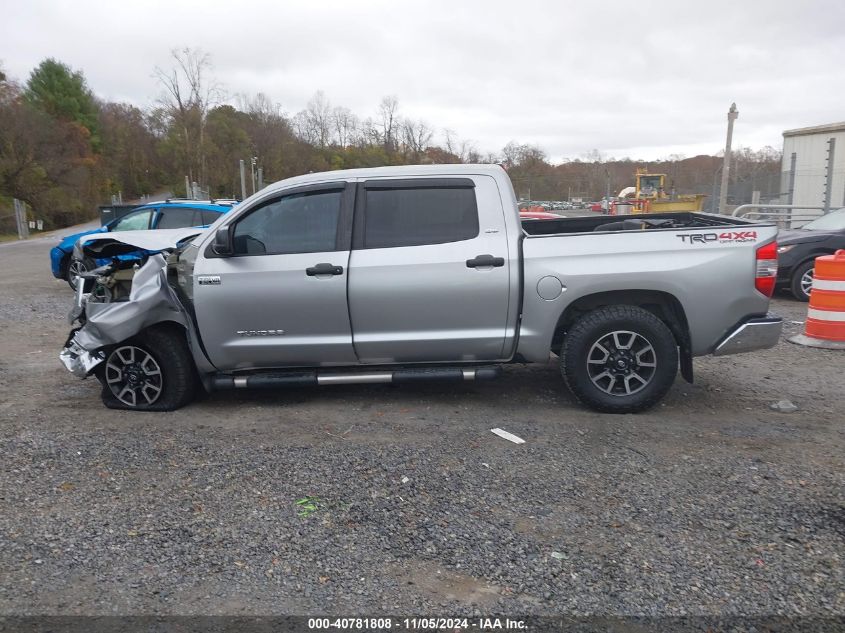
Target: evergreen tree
x=62 y=93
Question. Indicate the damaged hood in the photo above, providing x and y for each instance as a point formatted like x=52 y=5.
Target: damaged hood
x=102 y=245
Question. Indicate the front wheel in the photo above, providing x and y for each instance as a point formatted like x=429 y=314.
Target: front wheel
x=77 y=267
x=150 y=372
x=802 y=281
x=619 y=359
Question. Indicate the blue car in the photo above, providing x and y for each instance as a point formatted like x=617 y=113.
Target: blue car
x=156 y=215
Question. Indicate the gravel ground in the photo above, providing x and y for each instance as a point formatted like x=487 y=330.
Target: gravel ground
x=711 y=504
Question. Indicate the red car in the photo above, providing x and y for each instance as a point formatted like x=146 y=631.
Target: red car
x=537 y=215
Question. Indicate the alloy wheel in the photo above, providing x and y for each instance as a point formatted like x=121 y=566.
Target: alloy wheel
x=134 y=376
x=807 y=282
x=75 y=268
x=621 y=363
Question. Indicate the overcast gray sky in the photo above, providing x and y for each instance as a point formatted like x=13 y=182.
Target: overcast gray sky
x=638 y=79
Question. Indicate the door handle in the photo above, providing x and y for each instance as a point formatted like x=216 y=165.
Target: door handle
x=324 y=269
x=485 y=260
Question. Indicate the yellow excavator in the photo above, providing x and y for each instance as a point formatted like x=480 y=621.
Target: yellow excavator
x=649 y=196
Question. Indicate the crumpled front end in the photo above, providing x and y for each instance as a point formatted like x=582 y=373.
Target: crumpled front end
x=78 y=361
x=151 y=300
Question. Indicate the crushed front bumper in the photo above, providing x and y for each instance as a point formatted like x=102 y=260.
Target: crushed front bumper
x=78 y=360
x=751 y=334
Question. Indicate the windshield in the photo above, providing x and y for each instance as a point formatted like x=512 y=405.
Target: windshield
x=833 y=221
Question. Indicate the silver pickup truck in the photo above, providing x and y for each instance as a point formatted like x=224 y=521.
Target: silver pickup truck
x=399 y=274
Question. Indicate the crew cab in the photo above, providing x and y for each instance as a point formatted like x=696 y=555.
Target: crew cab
x=399 y=274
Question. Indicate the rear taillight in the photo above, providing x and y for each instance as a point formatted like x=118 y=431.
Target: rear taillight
x=767 y=269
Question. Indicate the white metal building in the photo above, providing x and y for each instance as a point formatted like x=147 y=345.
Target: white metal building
x=810 y=146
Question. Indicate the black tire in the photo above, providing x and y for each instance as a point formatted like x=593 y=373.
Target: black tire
x=798 y=282
x=75 y=265
x=153 y=371
x=636 y=378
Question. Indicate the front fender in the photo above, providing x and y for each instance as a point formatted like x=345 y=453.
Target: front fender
x=151 y=301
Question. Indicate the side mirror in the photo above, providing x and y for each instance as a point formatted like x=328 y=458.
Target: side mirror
x=223 y=242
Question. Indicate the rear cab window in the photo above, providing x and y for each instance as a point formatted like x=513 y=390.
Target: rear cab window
x=416 y=212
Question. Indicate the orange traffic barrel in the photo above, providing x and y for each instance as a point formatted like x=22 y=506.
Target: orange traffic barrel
x=825 y=325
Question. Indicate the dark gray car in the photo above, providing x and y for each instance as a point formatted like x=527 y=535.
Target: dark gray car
x=798 y=249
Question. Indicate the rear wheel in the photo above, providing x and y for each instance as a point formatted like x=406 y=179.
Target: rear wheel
x=619 y=359
x=150 y=372
x=802 y=281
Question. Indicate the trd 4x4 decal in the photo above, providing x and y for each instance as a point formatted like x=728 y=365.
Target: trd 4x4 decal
x=726 y=237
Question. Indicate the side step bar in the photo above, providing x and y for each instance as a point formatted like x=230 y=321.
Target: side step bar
x=274 y=380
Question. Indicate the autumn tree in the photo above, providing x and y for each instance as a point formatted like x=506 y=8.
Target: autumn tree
x=130 y=160
x=45 y=161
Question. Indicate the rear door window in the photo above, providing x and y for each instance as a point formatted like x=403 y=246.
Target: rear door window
x=413 y=216
x=178 y=218
x=210 y=217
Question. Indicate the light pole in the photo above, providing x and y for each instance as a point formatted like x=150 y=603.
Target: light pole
x=243 y=180
x=252 y=169
x=733 y=113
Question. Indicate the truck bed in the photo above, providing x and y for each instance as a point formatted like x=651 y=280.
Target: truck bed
x=641 y=222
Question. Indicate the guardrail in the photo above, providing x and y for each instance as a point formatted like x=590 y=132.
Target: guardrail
x=783 y=214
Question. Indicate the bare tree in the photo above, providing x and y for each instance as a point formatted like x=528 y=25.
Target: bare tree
x=389 y=112
x=314 y=123
x=449 y=140
x=260 y=107
x=368 y=133
x=469 y=152
x=345 y=124
x=319 y=114
x=189 y=93
x=416 y=135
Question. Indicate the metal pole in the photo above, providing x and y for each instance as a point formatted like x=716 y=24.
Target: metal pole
x=714 y=198
x=20 y=219
x=733 y=113
x=187 y=188
x=243 y=180
x=260 y=178
x=607 y=192
x=16 y=204
x=828 y=179
x=793 y=159
x=252 y=169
